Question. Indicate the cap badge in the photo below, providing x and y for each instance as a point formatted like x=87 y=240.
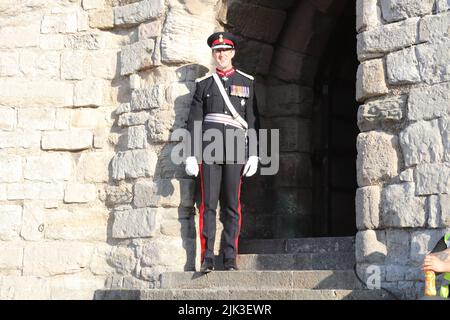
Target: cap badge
x=220 y=38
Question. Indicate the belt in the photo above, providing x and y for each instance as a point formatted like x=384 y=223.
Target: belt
x=222 y=118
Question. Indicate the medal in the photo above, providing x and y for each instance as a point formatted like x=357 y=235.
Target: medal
x=242 y=102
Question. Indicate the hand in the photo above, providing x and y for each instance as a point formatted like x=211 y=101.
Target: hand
x=191 y=166
x=251 y=166
x=432 y=262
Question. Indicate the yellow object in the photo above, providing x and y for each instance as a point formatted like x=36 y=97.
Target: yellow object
x=444 y=292
x=430 y=284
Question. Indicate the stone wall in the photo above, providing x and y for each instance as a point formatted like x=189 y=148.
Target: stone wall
x=403 y=149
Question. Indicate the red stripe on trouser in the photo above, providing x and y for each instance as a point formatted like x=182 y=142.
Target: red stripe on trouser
x=240 y=215
x=202 y=210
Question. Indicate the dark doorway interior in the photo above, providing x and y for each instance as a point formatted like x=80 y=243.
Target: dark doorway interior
x=335 y=126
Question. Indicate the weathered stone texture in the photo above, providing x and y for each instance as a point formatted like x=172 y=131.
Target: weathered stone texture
x=400 y=208
x=33 y=221
x=402 y=67
x=136 y=13
x=11 y=168
x=378 y=157
x=71 y=141
x=367 y=207
x=133 y=164
x=80 y=193
x=433 y=62
x=434 y=27
x=368 y=15
x=429 y=102
x=148 y=98
x=432 y=178
x=387 y=38
x=371 y=247
x=137 y=56
x=376 y=114
x=421 y=142
x=394 y=10
x=164 y=193
x=48 y=167
x=370 y=79
x=89 y=92
x=135 y=223
x=10 y=222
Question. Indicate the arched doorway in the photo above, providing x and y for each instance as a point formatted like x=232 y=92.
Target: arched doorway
x=303 y=54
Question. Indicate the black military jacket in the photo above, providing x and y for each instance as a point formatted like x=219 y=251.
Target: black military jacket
x=208 y=99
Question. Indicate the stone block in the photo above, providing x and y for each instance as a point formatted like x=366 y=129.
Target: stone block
x=51 y=41
x=164 y=252
x=93 y=4
x=35 y=191
x=434 y=27
x=292 y=66
x=123 y=259
x=149 y=30
x=62 y=119
x=398 y=247
x=367 y=207
x=295 y=170
x=255 y=56
x=135 y=223
x=33 y=222
x=421 y=143
x=444 y=124
x=40 y=64
x=434 y=211
x=160 y=126
x=11 y=256
x=136 y=137
x=133 y=118
x=164 y=193
x=88 y=118
x=60 y=23
x=47 y=259
x=10 y=222
x=8 y=121
x=24 y=288
x=180 y=29
x=16 y=36
x=94 y=167
x=371 y=247
x=36 y=118
x=134 y=164
x=9 y=64
x=80 y=193
x=104 y=64
x=373 y=115
x=442 y=5
x=89 y=92
x=370 y=79
x=394 y=10
x=295 y=133
x=402 y=67
x=378 y=157
x=11 y=168
x=400 y=208
x=387 y=38
x=149 y=98
x=432 y=178
x=101 y=19
x=20 y=139
x=35 y=93
x=85 y=41
x=433 y=61
x=73 y=65
x=137 y=56
x=83 y=225
x=429 y=102
x=368 y=15
x=288 y=100
x=122 y=194
x=138 y=12
x=74 y=140
x=48 y=167
x=265 y=26
x=422 y=242
x=443 y=208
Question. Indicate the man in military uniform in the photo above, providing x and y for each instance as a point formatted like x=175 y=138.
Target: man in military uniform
x=221 y=177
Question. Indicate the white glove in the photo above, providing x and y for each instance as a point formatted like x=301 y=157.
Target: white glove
x=191 y=166
x=251 y=166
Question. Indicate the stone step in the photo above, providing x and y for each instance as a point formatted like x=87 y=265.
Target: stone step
x=299 y=261
x=300 y=245
x=264 y=294
x=258 y=280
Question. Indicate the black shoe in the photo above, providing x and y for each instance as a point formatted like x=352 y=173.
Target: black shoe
x=230 y=265
x=207 y=265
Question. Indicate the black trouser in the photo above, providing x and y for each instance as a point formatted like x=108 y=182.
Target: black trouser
x=220 y=181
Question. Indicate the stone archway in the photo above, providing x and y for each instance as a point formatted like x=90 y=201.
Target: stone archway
x=286 y=44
